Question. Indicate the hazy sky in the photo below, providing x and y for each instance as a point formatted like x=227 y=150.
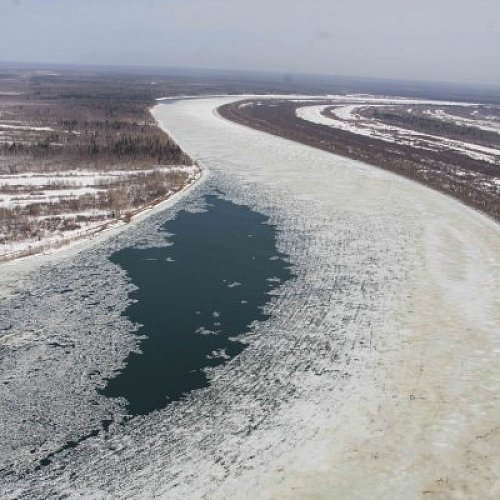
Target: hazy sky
x=447 y=40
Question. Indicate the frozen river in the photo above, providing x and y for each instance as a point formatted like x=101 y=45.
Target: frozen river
x=373 y=374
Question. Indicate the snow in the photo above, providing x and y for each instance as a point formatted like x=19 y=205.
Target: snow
x=82 y=177
x=51 y=240
x=490 y=124
x=34 y=188
x=347 y=119
x=48 y=196
x=395 y=295
x=25 y=127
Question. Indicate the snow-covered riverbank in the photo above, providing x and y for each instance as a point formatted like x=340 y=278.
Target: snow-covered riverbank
x=13 y=270
x=55 y=229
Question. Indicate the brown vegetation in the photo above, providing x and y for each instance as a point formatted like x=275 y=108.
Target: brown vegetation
x=79 y=122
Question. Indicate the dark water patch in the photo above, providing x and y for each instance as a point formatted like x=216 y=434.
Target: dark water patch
x=193 y=297
x=47 y=460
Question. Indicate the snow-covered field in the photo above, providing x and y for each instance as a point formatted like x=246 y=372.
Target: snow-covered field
x=47 y=191
x=375 y=377
x=79 y=177
x=491 y=125
x=346 y=117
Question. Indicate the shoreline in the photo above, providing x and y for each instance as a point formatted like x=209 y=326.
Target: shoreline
x=19 y=267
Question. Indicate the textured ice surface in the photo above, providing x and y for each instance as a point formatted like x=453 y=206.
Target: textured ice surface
x=63 y=333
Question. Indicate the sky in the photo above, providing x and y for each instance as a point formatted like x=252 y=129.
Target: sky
x=434 y=40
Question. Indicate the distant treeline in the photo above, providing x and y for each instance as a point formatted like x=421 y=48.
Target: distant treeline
x=108 y=141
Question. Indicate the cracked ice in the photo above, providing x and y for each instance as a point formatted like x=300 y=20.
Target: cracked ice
x=64 y=333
